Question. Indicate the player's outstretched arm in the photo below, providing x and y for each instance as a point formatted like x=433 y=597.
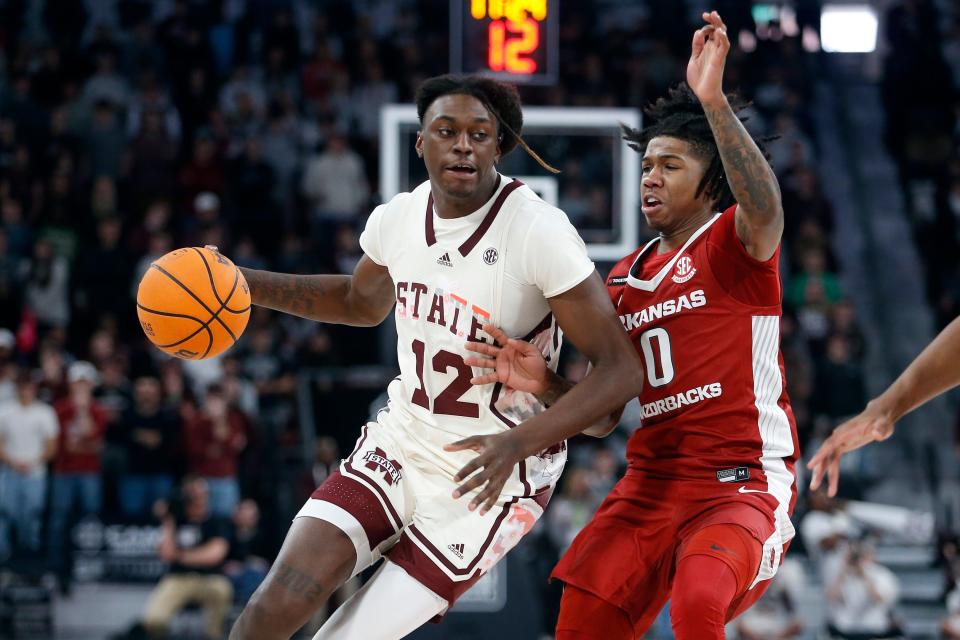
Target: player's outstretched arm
x=751 y=179
x=934 y=371
x=520 y=365
x=363 y=299
x=589 y=321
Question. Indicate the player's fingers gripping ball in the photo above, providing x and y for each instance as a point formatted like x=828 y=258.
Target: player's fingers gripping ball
x=193 y=303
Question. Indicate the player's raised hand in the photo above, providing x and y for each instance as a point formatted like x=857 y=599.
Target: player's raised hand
x=707 y=58
x=515 y=363
x=499 y=453
x=870 y=426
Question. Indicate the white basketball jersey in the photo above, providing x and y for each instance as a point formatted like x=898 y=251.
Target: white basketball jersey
x=498 y=265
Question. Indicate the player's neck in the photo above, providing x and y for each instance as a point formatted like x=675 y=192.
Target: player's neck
x=673 y=239
x=451 y=207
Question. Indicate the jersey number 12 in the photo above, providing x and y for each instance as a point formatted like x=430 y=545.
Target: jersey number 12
x=448 y=402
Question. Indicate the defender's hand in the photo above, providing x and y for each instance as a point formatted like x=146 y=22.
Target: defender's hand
x=872 y=425
x=707 y=58
x=499 y=453
x=515 y=363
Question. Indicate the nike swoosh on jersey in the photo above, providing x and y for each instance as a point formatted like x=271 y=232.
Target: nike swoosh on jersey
x=745 y=490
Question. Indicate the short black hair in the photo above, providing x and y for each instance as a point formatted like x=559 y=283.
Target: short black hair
x=500 y=99
x=680 y=115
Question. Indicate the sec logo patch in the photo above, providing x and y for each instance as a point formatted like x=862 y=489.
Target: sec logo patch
x=683 y=270
x=491 y=255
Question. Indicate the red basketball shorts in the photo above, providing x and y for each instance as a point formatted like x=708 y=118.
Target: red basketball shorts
x=628 y=554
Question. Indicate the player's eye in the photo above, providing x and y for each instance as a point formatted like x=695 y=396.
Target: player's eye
x=445 y=131
x=647 y=169
x=480 y=135
x=672 y=166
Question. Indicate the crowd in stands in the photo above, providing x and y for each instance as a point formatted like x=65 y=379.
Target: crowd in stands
x=129 y=128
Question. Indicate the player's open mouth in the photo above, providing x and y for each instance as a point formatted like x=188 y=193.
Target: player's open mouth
x=651 y=205
x=462 y=169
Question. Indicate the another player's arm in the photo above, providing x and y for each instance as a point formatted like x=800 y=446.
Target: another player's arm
x=588 y=320
x=557 y=386
x=934 y=371
x=363 y=299
x=759 y=215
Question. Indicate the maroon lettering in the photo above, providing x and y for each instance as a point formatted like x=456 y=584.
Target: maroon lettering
x=436 y=311
x=401 y=300
x=456 y=318
x=448 y=402
x=475 y=326
x=420 y=393
x=417 y=288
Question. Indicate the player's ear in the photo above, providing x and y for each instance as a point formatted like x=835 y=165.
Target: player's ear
x=418 y=145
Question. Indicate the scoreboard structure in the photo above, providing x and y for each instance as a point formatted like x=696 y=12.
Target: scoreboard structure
x=515 y=40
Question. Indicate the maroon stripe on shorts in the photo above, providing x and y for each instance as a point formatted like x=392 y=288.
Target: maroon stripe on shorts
x=440 y=557
x=422 y=568
x=357 y=500
x=397 y=520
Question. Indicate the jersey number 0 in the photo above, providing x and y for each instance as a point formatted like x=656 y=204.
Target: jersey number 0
x=664 y=374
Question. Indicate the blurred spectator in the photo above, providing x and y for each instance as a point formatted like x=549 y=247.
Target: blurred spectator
x=572 y=509
x=840 y=390
x=195 y=544
x=106 y=85
x=950 y=626
x=147 y=432
x=215 y=437
x=76 y=468
x=860 y=596
x=825 y=529
x=777 y=615
x=252 y=182
x=47 y=280
x=114 y=393
x=248 y=561
x=335 y=185
x=326 y=460
x=8 y=367
x=105 y=141
x=103 y=272
x=28 y=441
x=813 y=264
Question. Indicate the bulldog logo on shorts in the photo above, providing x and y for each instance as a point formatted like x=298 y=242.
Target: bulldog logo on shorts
x=377 y=459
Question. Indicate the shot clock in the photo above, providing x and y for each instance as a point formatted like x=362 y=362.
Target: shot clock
x=513 y=40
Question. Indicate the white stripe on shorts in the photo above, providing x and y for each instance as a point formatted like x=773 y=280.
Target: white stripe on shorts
x=343 y=520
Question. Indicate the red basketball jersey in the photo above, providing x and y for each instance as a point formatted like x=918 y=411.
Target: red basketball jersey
x=706 y=320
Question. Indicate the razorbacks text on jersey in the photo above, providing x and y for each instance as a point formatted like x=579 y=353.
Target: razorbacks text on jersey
x=706 y=319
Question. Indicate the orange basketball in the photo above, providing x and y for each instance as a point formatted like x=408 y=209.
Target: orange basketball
x=193 y=303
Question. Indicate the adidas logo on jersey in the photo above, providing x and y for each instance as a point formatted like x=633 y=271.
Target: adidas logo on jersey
x=444 y=260
x=457 y=550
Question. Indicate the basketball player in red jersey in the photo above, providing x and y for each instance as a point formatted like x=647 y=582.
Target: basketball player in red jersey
x=935 y=370
x=702 y=516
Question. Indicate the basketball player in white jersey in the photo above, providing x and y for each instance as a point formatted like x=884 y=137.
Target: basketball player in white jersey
x=466 y=248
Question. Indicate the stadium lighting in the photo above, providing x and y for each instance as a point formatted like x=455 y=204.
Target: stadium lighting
x=848 y=28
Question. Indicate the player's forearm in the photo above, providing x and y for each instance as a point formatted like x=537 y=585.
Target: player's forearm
x=558 y=386
x=751 y=179
x=934 y=371
x=605 y=389
x=324 y=298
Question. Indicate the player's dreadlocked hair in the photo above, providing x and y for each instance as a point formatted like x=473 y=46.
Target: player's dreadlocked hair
x=500 y=99
x=680 y=115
